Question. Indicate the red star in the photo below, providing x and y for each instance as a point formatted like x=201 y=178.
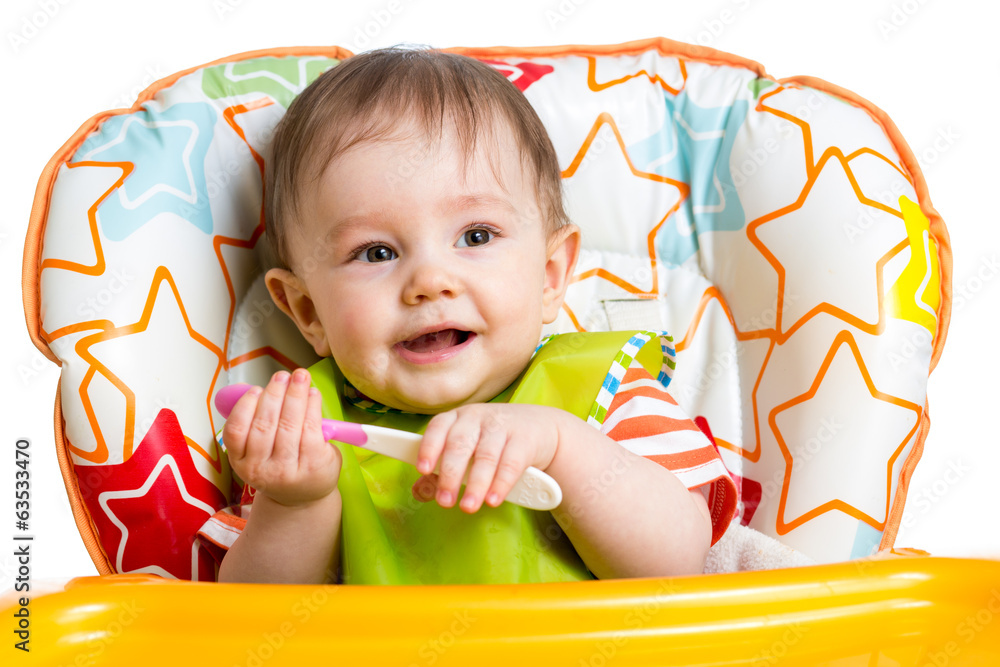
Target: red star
x=521 y=74
x=148 y=509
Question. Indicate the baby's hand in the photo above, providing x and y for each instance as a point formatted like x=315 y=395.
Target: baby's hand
x=275 y=441
x=494 y=442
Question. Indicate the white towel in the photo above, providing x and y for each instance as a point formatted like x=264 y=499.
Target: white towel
x=742 y=548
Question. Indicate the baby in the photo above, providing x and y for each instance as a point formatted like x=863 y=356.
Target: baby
x=415 y=213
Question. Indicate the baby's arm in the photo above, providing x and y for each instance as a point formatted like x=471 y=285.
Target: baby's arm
x=275 y=443
x=626 y=516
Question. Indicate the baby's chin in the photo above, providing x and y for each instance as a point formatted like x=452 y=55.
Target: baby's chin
x=429 y=405
x=434 y=401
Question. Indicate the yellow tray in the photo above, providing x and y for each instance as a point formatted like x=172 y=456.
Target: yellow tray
x=885 y=611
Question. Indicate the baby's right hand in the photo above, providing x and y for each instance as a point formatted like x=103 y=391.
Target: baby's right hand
x=275 y=442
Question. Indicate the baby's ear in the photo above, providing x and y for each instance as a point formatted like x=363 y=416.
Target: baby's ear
x=563 y=250
x=289 y=293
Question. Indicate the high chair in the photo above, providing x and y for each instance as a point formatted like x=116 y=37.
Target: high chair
x=780 y=230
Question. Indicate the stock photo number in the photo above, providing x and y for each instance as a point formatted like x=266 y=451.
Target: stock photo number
x=22 y=541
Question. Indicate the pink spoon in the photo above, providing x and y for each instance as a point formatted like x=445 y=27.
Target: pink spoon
x=535 y=489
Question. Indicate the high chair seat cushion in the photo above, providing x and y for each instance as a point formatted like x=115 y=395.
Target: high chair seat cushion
x=780 y=230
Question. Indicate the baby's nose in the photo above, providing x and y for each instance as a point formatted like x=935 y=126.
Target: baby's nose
x=432 y=280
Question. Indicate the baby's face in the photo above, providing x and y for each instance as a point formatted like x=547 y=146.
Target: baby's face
x=430 y=281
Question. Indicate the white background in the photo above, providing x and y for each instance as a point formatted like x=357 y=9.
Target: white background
x=931 y=65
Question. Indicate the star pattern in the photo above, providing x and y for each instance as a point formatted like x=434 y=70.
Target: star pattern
x=163 y=324
x=280 y=79
x=171 y=178
x=916 y=294
x=754 y=347
x=864 y=493
x=148 y=509
x=522 y=74
x=662 y=197
x=694 y=146
x=844 y=272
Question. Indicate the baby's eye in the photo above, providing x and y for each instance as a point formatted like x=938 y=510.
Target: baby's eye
x=377 y=253
x=474 y=237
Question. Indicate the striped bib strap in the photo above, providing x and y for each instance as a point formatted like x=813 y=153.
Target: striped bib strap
x=623 y=359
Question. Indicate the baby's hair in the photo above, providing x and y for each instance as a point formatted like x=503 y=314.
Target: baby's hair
x=368 y=97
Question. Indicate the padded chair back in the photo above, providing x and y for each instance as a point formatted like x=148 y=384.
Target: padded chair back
x=780 y=230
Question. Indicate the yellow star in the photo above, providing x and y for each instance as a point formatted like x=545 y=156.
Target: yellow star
x=916 y=296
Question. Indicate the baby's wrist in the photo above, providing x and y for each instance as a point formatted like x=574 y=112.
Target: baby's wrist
x=295 y=505
x=562 y=430
x=569 y=427
x=573 y=437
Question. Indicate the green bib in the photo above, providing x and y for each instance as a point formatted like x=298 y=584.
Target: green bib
x=389 y=537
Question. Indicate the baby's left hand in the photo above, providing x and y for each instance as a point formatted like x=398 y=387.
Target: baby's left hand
x=495 y=442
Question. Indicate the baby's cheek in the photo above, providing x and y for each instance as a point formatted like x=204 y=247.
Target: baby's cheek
x=375 y=366
x=362 y=362
x=366 y=373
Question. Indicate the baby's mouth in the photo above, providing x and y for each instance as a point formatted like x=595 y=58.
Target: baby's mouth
x=435 y=341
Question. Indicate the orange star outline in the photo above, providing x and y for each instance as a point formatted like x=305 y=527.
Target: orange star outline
x=605 y=117
x=807 y=132
x=843 y=338
x=824 y=307
x=100 y=454
x=813 y=170
x=593 y=84
x=707 y=296
x=684 y=189
x=229 y=115
x=99 y=266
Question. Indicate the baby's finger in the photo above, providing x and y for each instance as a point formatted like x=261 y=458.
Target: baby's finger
x=314 y=445
x=460 y=443
x=288 y=434
x=237 y=428
x=260 y=441
x=512 y=465
x=483 y=467
x=433 y=441
x=425 y=488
